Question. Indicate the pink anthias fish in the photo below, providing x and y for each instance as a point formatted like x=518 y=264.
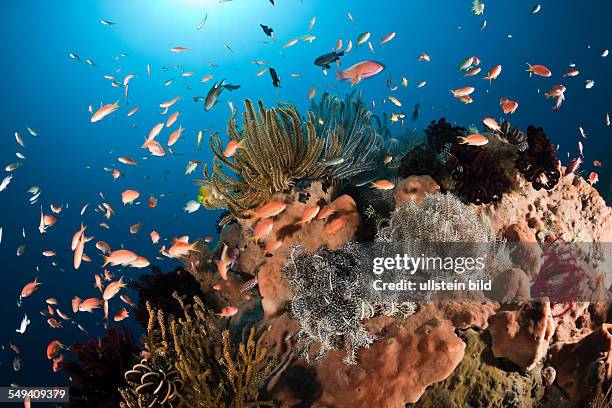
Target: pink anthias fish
x=360 y=71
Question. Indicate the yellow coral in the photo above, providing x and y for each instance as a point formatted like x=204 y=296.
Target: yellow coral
x=203 y=355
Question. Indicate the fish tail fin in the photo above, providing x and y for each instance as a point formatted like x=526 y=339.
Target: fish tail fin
x=340 y=75
x=529 y=69
x=463 y=139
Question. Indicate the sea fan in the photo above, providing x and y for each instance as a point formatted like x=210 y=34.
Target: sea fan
x=539 y=163
x=98 y=374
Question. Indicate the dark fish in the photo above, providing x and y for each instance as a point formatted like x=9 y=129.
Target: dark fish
x=415 y=112
x=325 y=60
x=268 y=30
x=272 y=1
x=275 y=78
x=215 y=91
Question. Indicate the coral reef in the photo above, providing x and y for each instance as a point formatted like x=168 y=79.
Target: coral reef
x=330 y=301
x=441 y=133
x=480 y=380
x=209 y=375
x=354 y=136
x=278 y=150
x=422 y=160
x=415 y=188
x=157 y=288
x=538 y=163
x=152 y=385
x=98 y=373
x=478 y=176
x=522 y=335
x=584 y=367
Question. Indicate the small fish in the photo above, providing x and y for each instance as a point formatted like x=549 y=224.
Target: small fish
x=605 y=53
x=350 y=17
x=308 y=215
x=472 y=72
x=360 y=71
x=228 y=47
x=29 y=288
x=290 y=43
x=607 y=119
x=275 y=78
x=312 y=23
x=493 y=73
x=424 y=57
x=415 y=112
x=312 y=93
x=387 y=38
x=178 y=49
x=395 y=101
x=382 y=185
x=474 y=139
x=74 y=56
x=492 y=124
x=262 y=71
x=363 y=38
x=121 y=315
x=228 y=311
x=106 y=22
x=508 y=106
x=535 y=9
x=267 y=30
x=232 y=147
x=332 y=161
x=589 y=84
x=25 y=322
x=478 y=7
x=201 y=23
x=32 y=131
x=571 y=72
x=326 y=60
x=104 y=111
x=192 y=206
x=334 y=226
x=593 y=178
x=539 y=70
x=465 y=91
x=215 y=91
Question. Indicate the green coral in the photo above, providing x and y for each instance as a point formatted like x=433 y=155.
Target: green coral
x=199 y=357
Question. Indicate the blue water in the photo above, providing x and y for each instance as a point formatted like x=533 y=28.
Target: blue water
x=46 y=90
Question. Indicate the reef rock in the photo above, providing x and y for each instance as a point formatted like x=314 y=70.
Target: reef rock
x=527 y=253
x=408 y=356
x=415 y=188
x=522 y=335
x=573 y=210
x=273 y=285
x=481 y=381
x=584 y=367
x=511 y=285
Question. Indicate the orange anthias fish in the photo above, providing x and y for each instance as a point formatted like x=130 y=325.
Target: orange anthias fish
x=491 y=124
x=539 y=70
x=121 y=314
x=382 y=185
x=465 y=91
x=262 y=230
x=182 y=248
x=308 y=215
x=268 y=210
x=508 y=106
x=360 y=71
x=104 y=111
x=232 y=147
x=152 y=202
x=228 y=311
x=224 y=263
x=129 y=196
x=76 y=302
x=154 y=237
x=88 y=305
x=172 y=119
x=326 y=212
x=174 y=136
x=53 y=349
x=493 y=73
x=30 y=288
x=474 y=139
x=335 y=226
x=593 y=178
x=120 y=257
x=424 y=57
x=113 y=288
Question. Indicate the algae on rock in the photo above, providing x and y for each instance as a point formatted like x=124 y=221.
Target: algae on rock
x=479 y=381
